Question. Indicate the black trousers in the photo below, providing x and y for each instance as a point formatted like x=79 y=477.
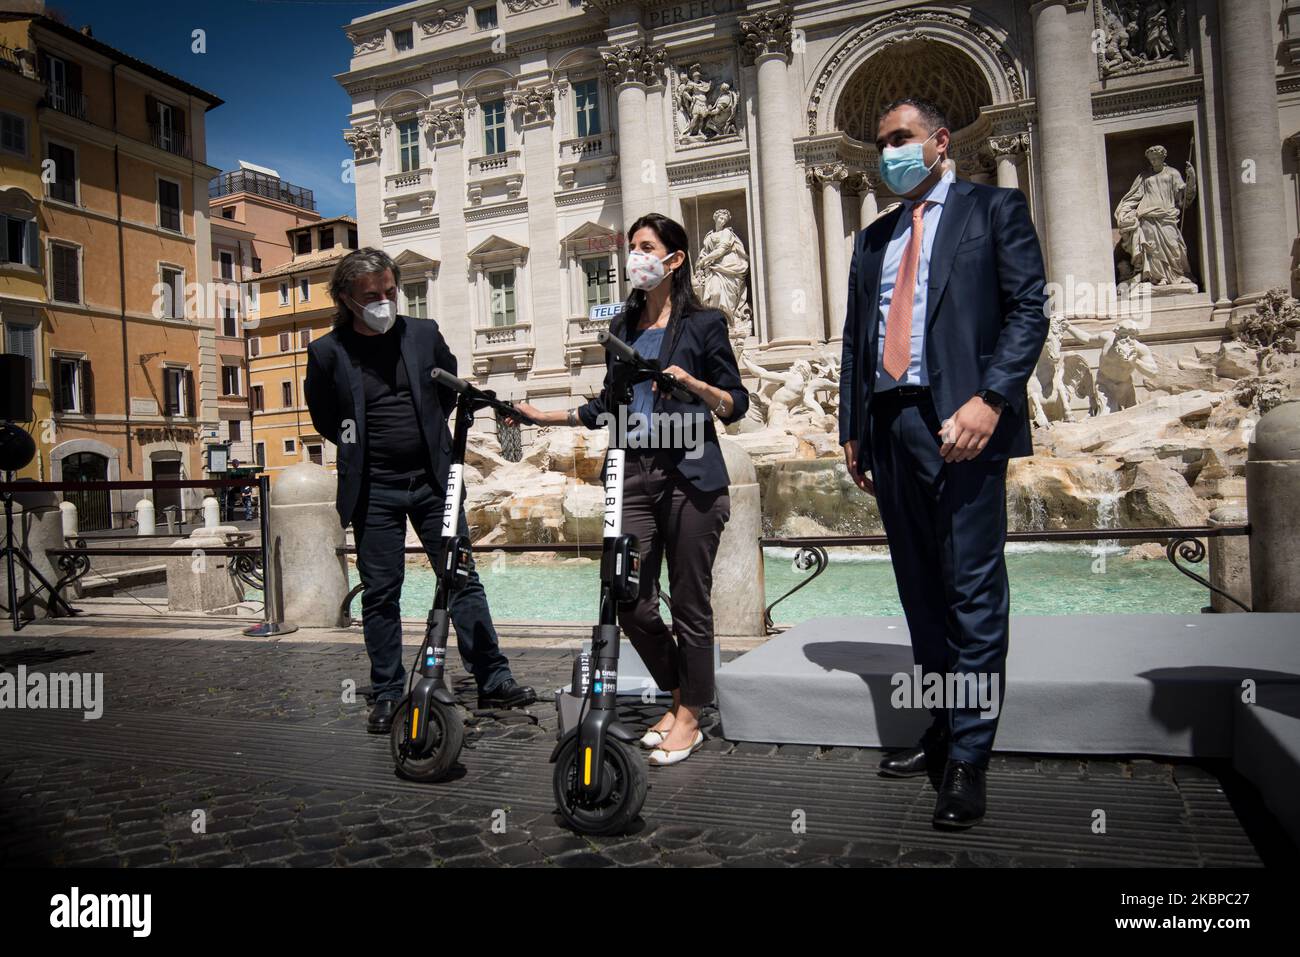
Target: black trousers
x=947 y=528
x=379 y=527
x=671 y=517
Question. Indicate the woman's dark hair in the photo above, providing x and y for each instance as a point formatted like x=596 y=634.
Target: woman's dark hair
x=673 y=236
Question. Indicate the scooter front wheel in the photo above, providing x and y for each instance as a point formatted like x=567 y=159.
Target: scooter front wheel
x=622 y=792
x=446 y=733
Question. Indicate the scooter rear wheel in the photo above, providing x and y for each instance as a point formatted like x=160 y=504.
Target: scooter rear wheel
x=623 y=776
x=446 y=731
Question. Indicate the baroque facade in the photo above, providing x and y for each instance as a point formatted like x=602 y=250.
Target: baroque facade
x=508 y=144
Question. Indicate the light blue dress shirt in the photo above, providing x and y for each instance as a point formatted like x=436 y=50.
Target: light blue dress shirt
x=916 y=373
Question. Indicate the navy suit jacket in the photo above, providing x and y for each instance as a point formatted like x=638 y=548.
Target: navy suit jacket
x=335 y=394
x=698 y=343
x=985 y=314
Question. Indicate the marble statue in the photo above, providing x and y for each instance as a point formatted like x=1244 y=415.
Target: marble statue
x=1150 y=218
x=701 y=119
x=790 y=395
x=1122 y=354
x=721 y=270
x=1137 y=33
x=1057 y=382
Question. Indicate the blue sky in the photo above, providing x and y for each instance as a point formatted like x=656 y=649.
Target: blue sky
x=272 y=61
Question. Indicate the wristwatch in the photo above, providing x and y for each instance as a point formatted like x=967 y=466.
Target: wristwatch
x=992 y=398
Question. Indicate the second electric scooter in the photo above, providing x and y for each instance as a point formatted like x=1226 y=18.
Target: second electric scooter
x=600 y=778
x=427 y=733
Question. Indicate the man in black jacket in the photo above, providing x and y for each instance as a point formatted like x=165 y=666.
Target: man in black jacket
x=369 y=391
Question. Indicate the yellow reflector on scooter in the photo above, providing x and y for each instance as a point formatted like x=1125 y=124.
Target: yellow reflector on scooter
x=586 y=767
x=415 y=723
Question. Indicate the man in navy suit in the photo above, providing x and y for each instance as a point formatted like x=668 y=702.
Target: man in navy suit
x=369 y=391
x=945 y=324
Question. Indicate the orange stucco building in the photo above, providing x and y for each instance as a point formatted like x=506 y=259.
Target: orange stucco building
x=109 y=300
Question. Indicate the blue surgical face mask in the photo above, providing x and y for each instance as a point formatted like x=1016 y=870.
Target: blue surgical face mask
x=903 y=167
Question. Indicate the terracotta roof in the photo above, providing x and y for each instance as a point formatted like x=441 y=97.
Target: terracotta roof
x=306 y=263
x=322 y=222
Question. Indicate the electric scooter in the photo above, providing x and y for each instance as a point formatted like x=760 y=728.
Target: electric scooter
x=427 y=733
x=600 y=778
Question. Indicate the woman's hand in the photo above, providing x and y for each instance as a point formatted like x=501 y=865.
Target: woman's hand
x=534 y=413
x=688 y=381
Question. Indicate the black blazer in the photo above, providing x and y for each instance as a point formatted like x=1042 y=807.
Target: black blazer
x=698 y=342
x=985 y=314
x=335 y=394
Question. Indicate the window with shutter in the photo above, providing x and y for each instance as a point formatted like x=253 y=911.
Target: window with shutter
x=66 y=285
x=87 y=380
x=13 y=133
x=189 y=392
x=169 y=205
x=64 y=185
x=21 y=341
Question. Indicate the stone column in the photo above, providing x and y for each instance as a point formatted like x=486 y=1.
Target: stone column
x=450 y=298
x=305 y=525
x=632 y=69
x=1254 y=142
x=366 y=150
x=1077 y=218
x=767 y=43
x=833 y=249
x=536 y=108
x=1273 y=503
x=868 y=208
x=1229 y=560
x=737 y=596
x=1006 y=150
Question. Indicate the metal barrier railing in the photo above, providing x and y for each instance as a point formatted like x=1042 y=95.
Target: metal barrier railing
x=257 y=566
x=1181 y=542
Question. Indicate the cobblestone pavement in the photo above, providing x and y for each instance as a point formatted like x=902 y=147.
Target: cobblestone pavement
x=255 y=736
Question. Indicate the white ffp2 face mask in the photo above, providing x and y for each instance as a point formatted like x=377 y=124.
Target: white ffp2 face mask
x=380 y=315
x=645 y=271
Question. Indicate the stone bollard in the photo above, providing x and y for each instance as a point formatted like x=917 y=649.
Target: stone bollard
x=738 y=596
x=197 y=581
x=1229 y=560
x=144 y=517
x=211 y=512
x=38 y=525
x=305 y=530
x=69 y=513
x=1273 y=503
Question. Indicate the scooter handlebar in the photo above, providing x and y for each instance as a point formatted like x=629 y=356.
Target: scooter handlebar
x=448 y=381
x=625 y=353
x=476 y=395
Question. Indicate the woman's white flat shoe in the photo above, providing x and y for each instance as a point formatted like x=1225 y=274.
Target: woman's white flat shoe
x=652 y=738
x=661 y=758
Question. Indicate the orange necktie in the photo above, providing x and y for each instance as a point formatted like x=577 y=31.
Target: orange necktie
x=898 y=323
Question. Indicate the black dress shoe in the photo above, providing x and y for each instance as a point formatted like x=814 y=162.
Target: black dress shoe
x=381 y=716
x=914 y=762
x=508 y=694
x=961 y=798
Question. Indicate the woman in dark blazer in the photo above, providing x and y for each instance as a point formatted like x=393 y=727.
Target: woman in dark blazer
x=675 y=488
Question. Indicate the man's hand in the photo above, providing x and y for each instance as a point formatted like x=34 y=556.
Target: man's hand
x=969 y=431
x=851 y=461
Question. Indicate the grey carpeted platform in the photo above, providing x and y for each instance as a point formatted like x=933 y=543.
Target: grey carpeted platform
x=1095 y=684
x=1267 y=749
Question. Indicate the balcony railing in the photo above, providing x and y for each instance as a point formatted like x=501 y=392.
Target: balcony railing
x=494 y=165
x=71 y=102
x=169 y=139
x=585 y=148
x=260 y=184
x=17 y=60
x=410 y=181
